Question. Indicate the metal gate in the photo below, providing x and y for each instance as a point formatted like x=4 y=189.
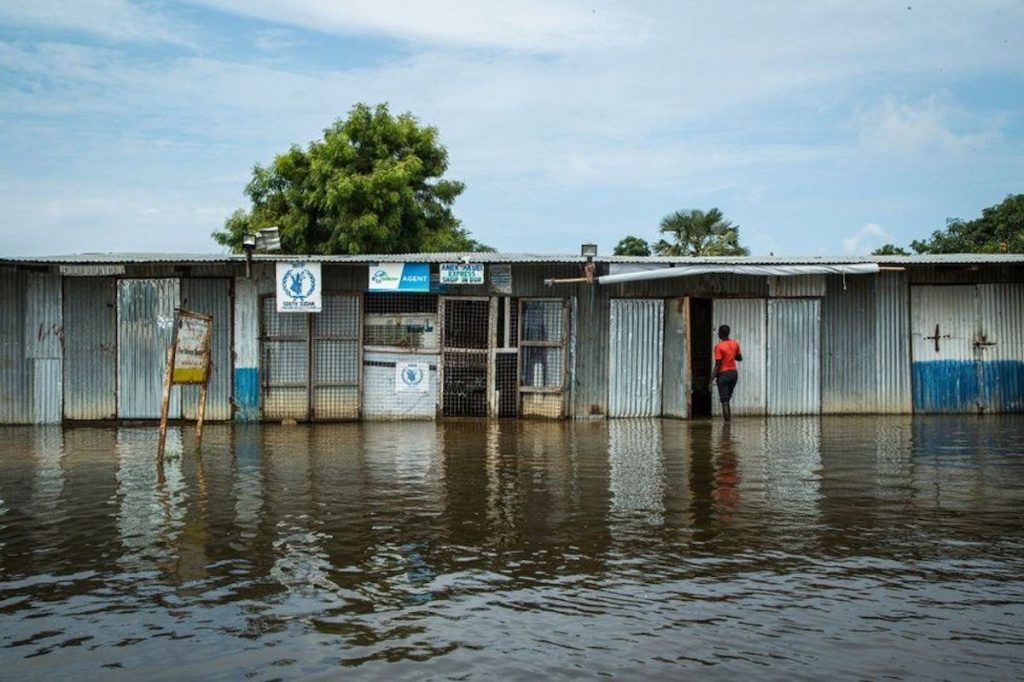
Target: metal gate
x=635 y=357
x=794 y=356
x=90 y=348
x=746 y=318
x=467 y=339
x=967 y=344
x=543 y=338
x=145 y=327
x=311 y=363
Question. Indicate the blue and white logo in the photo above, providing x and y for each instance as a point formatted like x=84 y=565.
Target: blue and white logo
x=411 y=377
x=298 y=287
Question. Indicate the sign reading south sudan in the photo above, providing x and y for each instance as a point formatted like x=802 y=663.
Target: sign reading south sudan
x=462 y=273
x=412 y=377
x=399 y=277
x=298 y=287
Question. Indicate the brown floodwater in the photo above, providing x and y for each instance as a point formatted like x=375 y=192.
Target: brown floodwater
x=784 y=548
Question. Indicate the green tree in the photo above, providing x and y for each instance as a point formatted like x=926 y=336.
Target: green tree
x=696 y=233
x=890 y=250
x=632 y=246
x=373 y=184
x=1000 y=229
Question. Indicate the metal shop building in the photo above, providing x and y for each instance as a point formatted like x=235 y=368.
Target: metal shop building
x=83 y=338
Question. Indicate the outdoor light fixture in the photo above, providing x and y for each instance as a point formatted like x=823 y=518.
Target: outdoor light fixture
x=588 y=250
x=248 y=245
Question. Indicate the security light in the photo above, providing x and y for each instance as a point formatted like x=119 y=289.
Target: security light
x=588 y=250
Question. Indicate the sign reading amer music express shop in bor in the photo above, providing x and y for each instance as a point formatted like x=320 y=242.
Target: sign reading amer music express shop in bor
x=462 y=273
x=399 y=277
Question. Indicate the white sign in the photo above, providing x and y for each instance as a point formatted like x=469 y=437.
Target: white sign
x=462 y=273
x=501 y=278
x=412 y=377
x=191 y=349
x=298 y=287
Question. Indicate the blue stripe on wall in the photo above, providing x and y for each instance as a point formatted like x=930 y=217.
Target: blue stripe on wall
x=247 y=394
x=1003 y=382
x=952 y=386
x=945 y=386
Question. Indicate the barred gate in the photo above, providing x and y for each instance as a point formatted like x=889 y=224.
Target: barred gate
x=467 y=377
x=543 y=341
x=311 y=364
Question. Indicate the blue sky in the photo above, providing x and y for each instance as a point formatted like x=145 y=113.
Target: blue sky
x=818 y=127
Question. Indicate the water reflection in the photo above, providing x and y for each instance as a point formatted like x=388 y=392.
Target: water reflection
x=803 y=546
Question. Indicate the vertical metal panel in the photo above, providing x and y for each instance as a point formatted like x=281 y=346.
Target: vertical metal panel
x=794 y=356
x=675 y=398
x=90 y=348
x=15 y=407
x=849 y=355
x=942 y=325
x=246 y=350
x=1000 y=346
x=381 y=400
x=211 y=297
x=796 y=286
x=42 y=345
x=145 y=328
x=746 y=319
x=635 y=357
x=892 y=343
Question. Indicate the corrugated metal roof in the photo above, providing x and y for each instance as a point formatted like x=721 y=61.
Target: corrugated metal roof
x=494 y=257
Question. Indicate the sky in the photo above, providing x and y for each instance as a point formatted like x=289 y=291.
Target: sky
x=820 y=128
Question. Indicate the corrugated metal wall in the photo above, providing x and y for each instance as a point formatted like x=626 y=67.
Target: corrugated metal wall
x=945 y=373
x=892 y=343
x=796 y=286
x=145 y=328
x=746 y=318
x=246 y=395
x=794 y=356
x=1001 y=309
x=211 y=297
x=15 y=405
x=635 y=357
x=90 y=348
x=43 y=352
x=675 y=398
x=849 y=355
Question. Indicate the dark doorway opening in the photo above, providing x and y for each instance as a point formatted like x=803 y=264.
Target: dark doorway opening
x=700 y=357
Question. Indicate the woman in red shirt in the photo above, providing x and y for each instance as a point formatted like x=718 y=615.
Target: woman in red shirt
x=727 y=353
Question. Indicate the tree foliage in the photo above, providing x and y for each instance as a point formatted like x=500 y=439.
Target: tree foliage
x=373 y=184
x=632 y=246
x=890 y=250
x=1000 y=229
x=699 y=233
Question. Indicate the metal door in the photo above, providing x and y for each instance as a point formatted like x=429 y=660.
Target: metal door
x=635 y=357
x=675 y=399
x=942 y=327
x=145 y=327
x=90 y=348
x=794 y=356
x=467 y=341
x=211 y=297
x=746 y=319
x=999 y=346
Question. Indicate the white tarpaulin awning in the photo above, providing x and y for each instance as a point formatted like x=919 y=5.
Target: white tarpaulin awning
x=737 y=269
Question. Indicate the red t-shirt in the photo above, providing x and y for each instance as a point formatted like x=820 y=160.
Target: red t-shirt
x=725 y=354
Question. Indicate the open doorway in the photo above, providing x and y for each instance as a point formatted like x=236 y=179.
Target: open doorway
x=700 y=356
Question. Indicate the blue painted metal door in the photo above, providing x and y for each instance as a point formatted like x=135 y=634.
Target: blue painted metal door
x=967 y=346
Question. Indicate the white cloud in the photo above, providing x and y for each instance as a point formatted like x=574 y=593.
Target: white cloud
x=116 y=20
x=545 y=25
x=929 y=126
x=865 y=240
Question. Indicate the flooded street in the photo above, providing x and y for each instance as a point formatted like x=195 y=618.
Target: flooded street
x=780 y=548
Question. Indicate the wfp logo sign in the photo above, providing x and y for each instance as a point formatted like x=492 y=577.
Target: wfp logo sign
x=411 y=377
x=399 y=277
x=298 y=288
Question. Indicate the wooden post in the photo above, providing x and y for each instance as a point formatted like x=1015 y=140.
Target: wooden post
x=165 y=404
x=207 y=340
x=202 y=414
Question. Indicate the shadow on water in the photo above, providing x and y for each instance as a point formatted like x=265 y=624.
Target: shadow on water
x=789 y=547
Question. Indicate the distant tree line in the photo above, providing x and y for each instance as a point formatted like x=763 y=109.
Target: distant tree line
x=689 y=233
x=1000 y=229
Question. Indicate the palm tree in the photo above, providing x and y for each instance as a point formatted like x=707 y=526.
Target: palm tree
x=696 y=233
